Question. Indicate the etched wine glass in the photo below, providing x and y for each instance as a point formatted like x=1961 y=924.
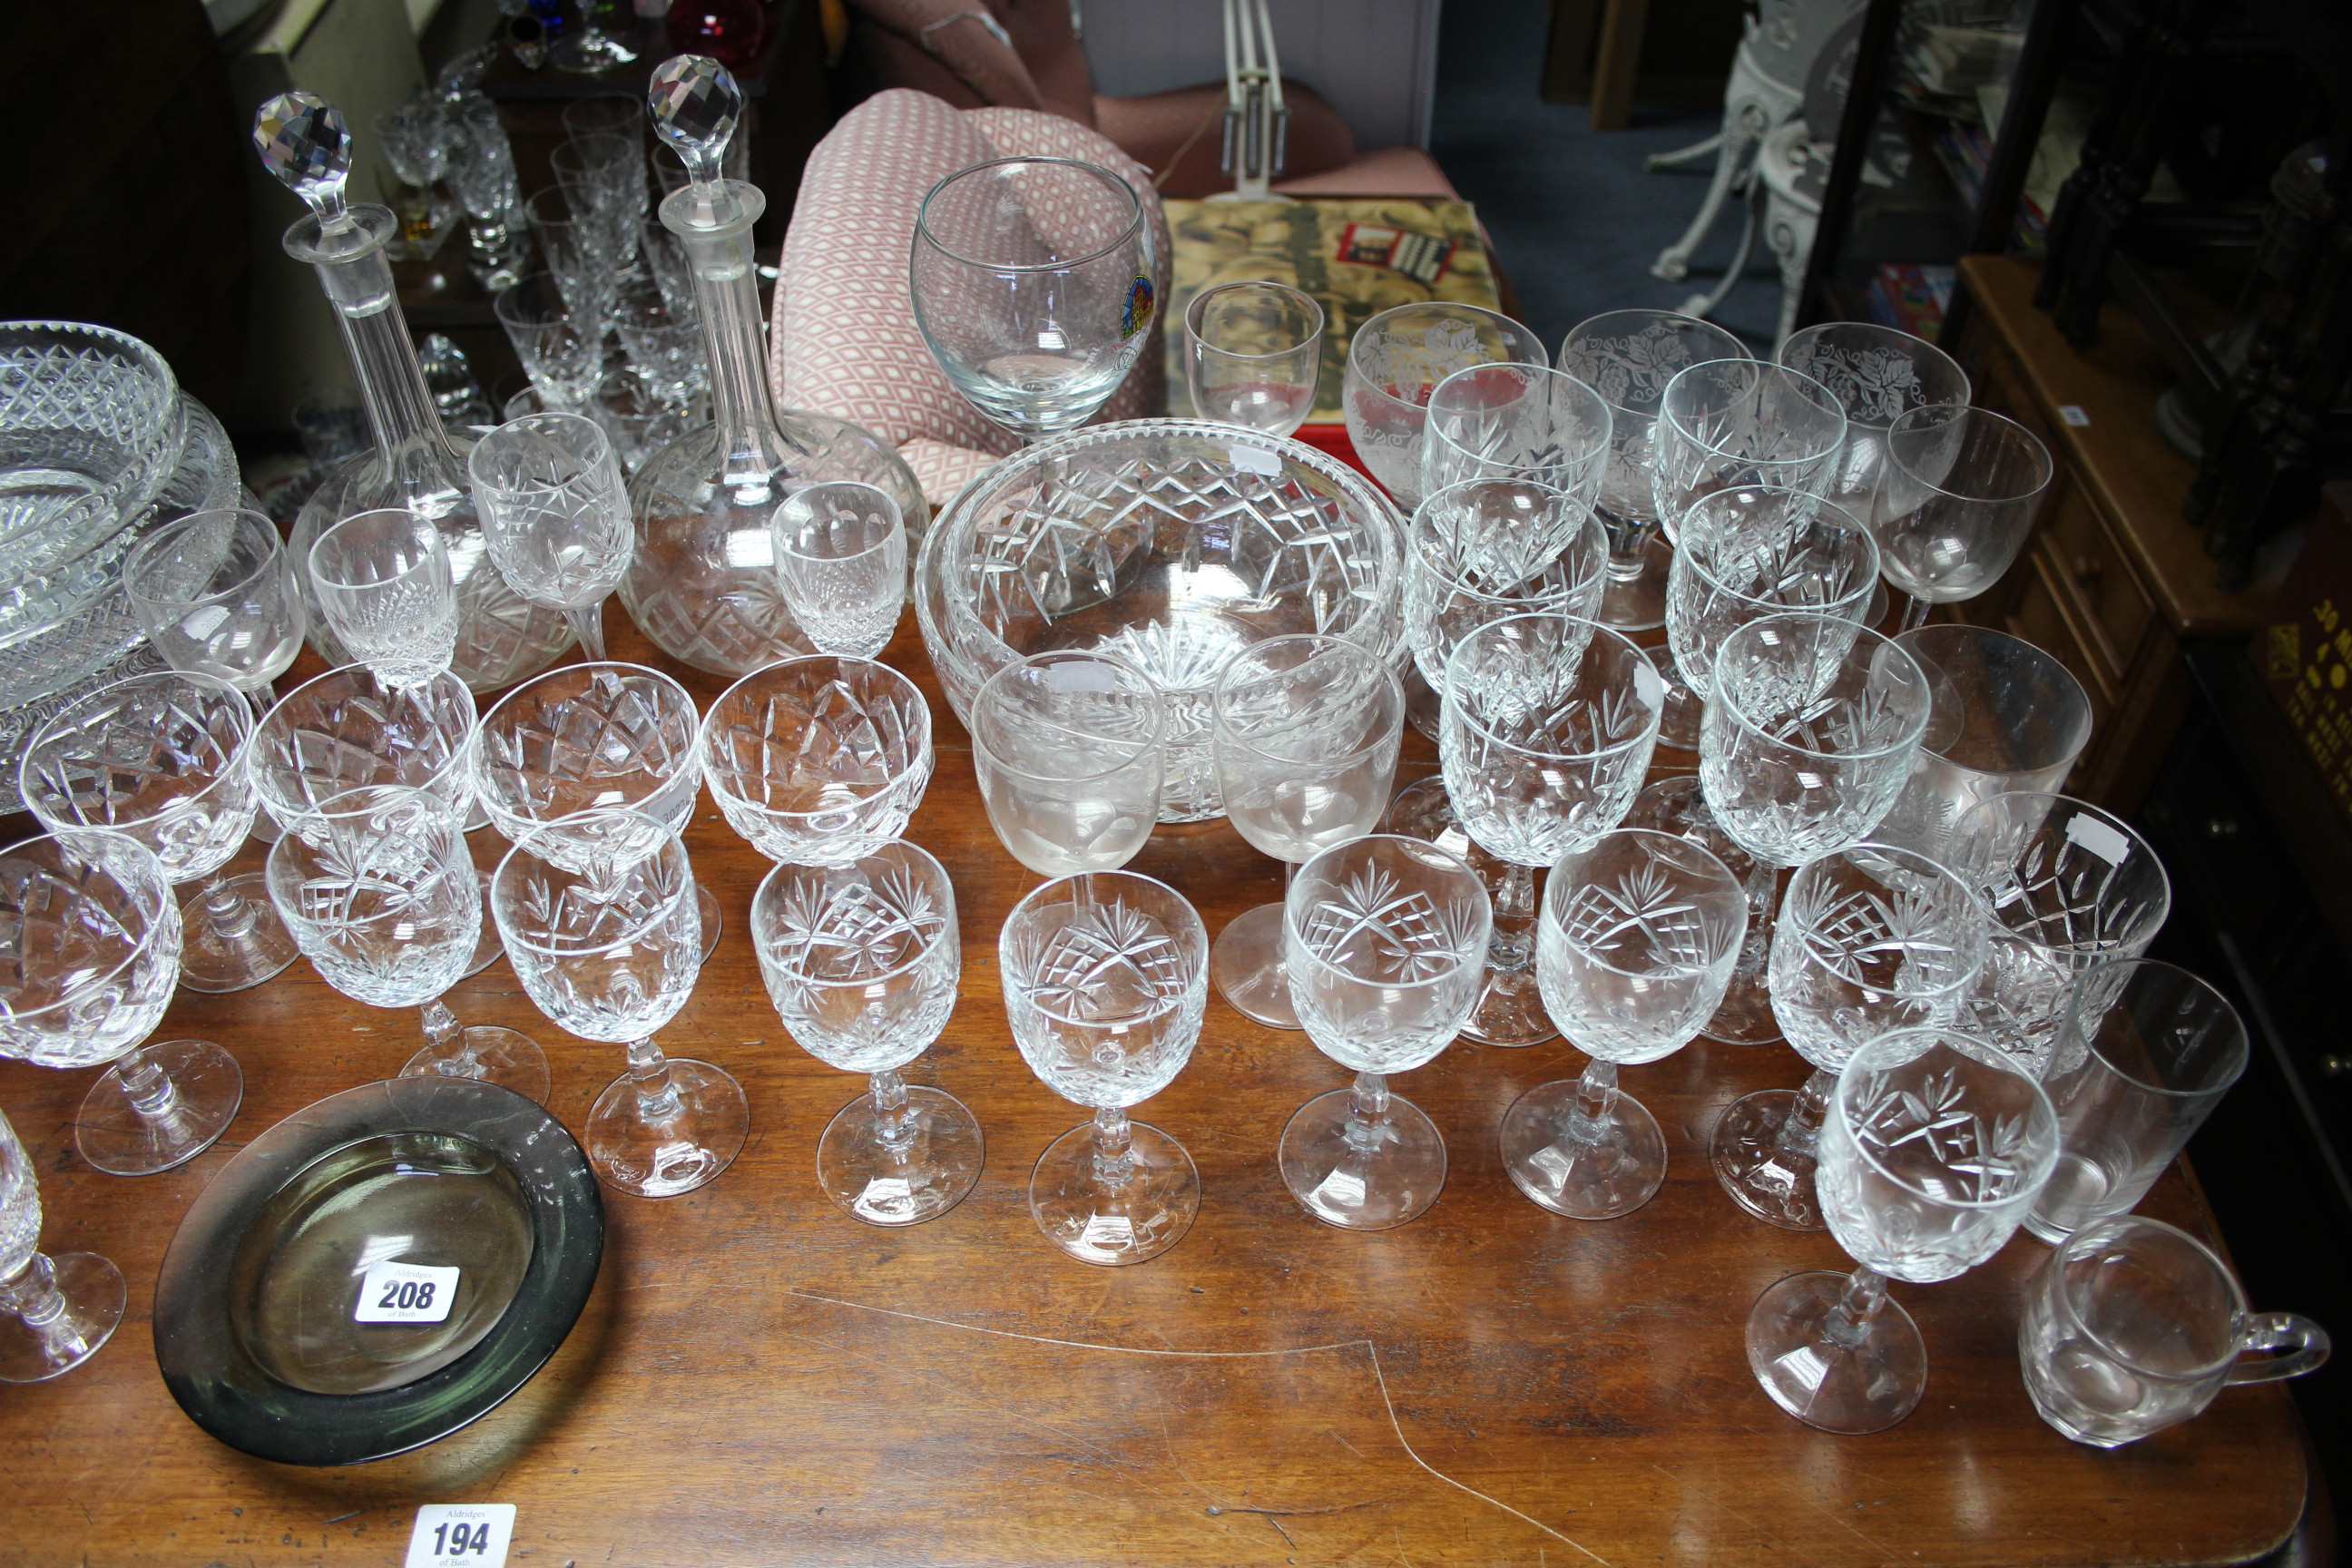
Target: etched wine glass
x=841 y=564
x=1395 y=363
x=1959 y=493
x=384 y=584
x=1729 y=424
x=862 y=961
x=1546 y=729
x=1385 y=941
x=610 y=953
x=1066 y=747
x=1516 y=422
x=819 y=760
x=1106 y=978
x=1635 y=944
x=555 y=514
x=1253 y=355
x=56 y=1309
x=380 y=891
x=1870 y=940
x=1877 y=374
x=1933 y=1148
x=217 y=594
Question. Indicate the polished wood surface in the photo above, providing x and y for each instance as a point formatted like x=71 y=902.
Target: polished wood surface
x=759 y=1378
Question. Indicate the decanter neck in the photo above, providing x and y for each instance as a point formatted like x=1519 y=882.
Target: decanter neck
x=753 y=448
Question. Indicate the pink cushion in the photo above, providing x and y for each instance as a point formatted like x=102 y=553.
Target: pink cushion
x=1382 y=172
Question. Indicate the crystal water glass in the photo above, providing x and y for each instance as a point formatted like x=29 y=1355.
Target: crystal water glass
x=555 y=514
x=1628 y=357
x=1516 y=422
x=380 y=891
x=1068 y=749
x=561 y=346
x=1106 y=978
x=384 y=584
x=820 y=760
x=55 y=1309
x=217 y=594
x=1253 y=355
x=1384 y=939
x=1960 y=492
x=1870 y=940
x=610 y=953
x=1395 y=361
x=1546 y=729
x=1877 y=374
x=1734 y=423
x=1633 y=953
x=1034 y=283
x=1933 y=1148
x=1307 y=731
x=862 y=961
x=841 y=564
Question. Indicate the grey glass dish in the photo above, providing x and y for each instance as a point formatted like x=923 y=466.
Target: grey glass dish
x=517 y=1210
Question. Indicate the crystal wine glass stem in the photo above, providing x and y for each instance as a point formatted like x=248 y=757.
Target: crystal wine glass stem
x=1915 y=612
x=31 y=1294
x=1848 y=1322
x=1367 y=1107
x=1512 y=944
x=1114 y=1145
x=1627 y=536
x=1596 y=1097
x=1800 y=1130
x=442 y=1029
x=147 y=1086
x=1763 y=902
x=657 y=1097
x=893 y=1122
x=232 y=915
x=588 y=625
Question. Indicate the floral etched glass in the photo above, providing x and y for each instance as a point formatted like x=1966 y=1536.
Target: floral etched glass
x=1516 y=422
x=1876 y=374
x=1395 y=361
x=820 y=760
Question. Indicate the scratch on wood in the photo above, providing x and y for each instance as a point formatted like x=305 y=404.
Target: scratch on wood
x=1294 y=1512
x=341 y=1517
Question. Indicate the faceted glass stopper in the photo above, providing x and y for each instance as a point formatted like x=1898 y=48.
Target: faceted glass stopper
x=304 y=143
x=694 y=104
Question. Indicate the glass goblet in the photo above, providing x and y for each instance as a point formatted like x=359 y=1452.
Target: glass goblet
x=559 y=341
x=1307 y=730
x=1395 y=361
x=1547 y=726
x=604 y=175
x=1067 y=746
x=1933 y=1149
x=610 y=953
x=555 y=515
x=1876 y=374
x=215 y=592
x=1034 y=282
x=1736 y=422
x=1960 y=492
x=1870 y=940
x=384 y=587
x=1628 y=357
x=862 y=961
x=841 y=564
x=1635 y=944
x=380 y=891
x=56 y=1311
x=820 y=760
x=1106 y=978
x=1385 y=941
x=1253 y=355
x=1516 y=422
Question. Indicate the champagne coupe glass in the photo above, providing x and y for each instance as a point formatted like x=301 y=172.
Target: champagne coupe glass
x=1736 y=422
x=562 y=347
x=379 y=889
x=1960 y=492
x=1750 y=552
x=384 y=586
x=1546 y=729
x=1034 y=282
x=590 y=736
x=1870 y=938
x=862 y=962
x=1307 y=731
x=1516 y=422
x=1385 y=941
x=1105 y=977
x=1253 y=355
x=1395 y=363
x=1876 y=374
x=820 y=760
x=841 y=564
x=1933 y=1148
x=56 y=1311
x=555 y=514
x=217 y=594
x=1628 y=357
x=1067 y=746
x=1638 y=932
x=610 y=953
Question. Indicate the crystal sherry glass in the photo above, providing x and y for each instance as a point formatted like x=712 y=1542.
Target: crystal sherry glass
x=1960 y=492
x=561 y=346
x=55 y=1309
x=820 y=760
x=841 y=564
x=1395 y=361
x=215 y=591
x=1066 y=747
x=1253 y=355
x=555 y=511
x=384 y=587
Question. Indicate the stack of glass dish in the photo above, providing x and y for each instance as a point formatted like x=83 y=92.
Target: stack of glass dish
x=97 y=444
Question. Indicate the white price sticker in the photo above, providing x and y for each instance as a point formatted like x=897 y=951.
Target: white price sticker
x=405 y=1293
x=2071 y=412
x=2100 y=838
x=461 y=1535
x=1254 y=461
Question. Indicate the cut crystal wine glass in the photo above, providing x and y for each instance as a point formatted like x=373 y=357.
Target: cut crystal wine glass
x=555 y=512
x=1877 y=374
x=1067 y=746
x=1307 y=730
x=1253 y=355
x=384 y=586
x=1106 y=978
x=1933 y=1148
x=1959 y=493
x=55 y=1309
x=1516 y=422
x=1732 y=423
x=576 y=243
x=1634 y=947
x=818 y=761
x=841 y=564
x=562 y=347
x=862 y=961
x=215 y=591
x=1395 y=361
x=1385 y=941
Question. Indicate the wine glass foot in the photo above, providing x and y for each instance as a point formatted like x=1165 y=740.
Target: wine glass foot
x=94 y=1296
x=1368 y=1179
x=1639 y=603
x=1510 y=1011
x=1613 y=1172
x=934 y=1174
x=677 y=1151
x=215 y=963
x=713 y=923
x=487 y=1055
x=1678 y=722
x=1423 y=703
x=586 y=54
x=1852 y=1389
x=487 y=947
x=206 y=1087
x=1746 y=1018
x=1095 y=1223
x=1771 y=1183
x=1246 y=963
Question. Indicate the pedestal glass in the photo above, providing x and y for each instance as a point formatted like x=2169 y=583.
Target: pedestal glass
x=1395 y=363
x=1253 y=355
x=1067 y=746
x=604 y=175
x=562 y=347
x=556 y=512
x=58 y=1310
x=1516 y=422
x=1876 y=374
x=217 y=595
x=1733 y=423
x=1106 y=978
x=384 y=586
x=818 y=761
x=862 y=962
x=840 y=563
x=1960 y=493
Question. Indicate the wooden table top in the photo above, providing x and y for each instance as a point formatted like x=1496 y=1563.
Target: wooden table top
x=759 y=1378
